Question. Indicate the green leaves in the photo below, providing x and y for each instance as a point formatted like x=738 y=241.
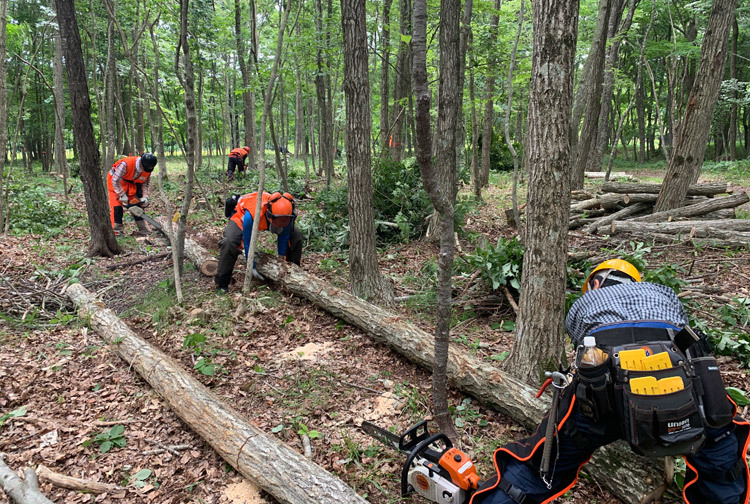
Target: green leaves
x=738 y=396
x=500 y=264
x=18 y=412
x=108 y=439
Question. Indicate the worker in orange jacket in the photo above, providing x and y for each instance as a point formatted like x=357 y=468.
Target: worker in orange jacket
x=277 y=215
x=127 y=183
x=237 y=160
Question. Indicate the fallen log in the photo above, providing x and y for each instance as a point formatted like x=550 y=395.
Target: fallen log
x=196 y=254
x=614 y=466
x=22 y=491
x=268 y=463
x=701 y=208
x=613 y=175
x=72 y=483
x=711 y=189
x=699 y=228
x=625 y=212
x=709 y=242
x=612 y=200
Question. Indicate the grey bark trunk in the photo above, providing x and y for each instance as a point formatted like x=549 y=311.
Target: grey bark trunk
x=103 y=241
x=365 y=279
x=539 y=333
x=385 y=74
x=272 y=465
x=690 y=145
x=489 y=92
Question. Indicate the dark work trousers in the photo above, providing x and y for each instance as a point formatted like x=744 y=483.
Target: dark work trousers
x=718 y=455
x=230 y=249
x=234 y=162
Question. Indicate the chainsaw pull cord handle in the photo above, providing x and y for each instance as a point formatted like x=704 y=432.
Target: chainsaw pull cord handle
x=559 y=381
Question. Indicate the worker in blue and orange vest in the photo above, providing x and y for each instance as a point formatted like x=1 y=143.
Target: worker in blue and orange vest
x=237 y=160
x=277 y=215
x=127 y=182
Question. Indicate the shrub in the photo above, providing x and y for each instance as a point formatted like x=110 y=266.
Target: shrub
x=500 y=264
x=398 y=196
x=33 y=210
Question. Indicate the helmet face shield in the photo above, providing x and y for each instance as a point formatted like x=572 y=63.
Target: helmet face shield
x=277 y=223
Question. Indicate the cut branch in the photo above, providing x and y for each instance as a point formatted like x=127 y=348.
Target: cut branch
x=702 y=208
x=694 y=190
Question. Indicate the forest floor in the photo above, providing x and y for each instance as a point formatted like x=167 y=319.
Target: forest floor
x=287 y=366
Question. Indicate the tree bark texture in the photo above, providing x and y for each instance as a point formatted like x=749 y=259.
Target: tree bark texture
x=103 y=241
x=591 y=119
x=699 y=228
x=22 y=491
x=59 y=96
x=268 y=463
x=620 y=214
x=709 y=189
x=245 y=72
x=72 y=483
x=702 y=208
x=539 y=331
x=365 y=279
x=690 y=145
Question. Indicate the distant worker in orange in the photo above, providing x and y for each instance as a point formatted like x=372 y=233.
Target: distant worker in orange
x=237 y=160
x=127 y=182
x=277 y=215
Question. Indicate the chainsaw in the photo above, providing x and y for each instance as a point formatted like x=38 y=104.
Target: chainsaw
x=434 y=468
x=137 y=211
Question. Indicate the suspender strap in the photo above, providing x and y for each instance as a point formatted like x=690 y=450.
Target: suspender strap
x=514 y=492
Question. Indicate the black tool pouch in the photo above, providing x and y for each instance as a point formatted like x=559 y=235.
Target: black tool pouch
x=663 y=424
x=718 y=410
x=594 y=391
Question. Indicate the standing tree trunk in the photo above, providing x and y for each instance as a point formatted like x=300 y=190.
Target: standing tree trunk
x=103 y=241
x=593 y=96
x=3 y=102
x=402 y=87
x=365 y=280
x=690 y=145
x=539 y=342
x=59 y=95
x=733 y=107
x=476 y=174
x=245 y=72
x=489 y=92
x=157 y=118
x=110 y=77
x=385 y=73
x=322 y=83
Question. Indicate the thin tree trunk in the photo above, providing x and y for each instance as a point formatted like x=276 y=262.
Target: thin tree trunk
x=508 y=140
x=385 y=68
x=489 y=92
x=59 y=96
x=3 y=103
x=733 y=107
x=110 y=77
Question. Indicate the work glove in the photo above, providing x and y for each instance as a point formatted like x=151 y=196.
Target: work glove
x=124 y=199
x=144 y=201
x=258 y=275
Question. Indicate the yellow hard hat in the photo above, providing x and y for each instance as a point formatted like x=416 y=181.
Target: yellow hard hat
x=617 y=265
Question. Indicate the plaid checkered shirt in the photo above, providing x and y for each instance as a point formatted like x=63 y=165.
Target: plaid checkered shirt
x=623 y=302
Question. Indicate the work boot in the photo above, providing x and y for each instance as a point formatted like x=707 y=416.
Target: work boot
x=143 y=227
x=118 y=228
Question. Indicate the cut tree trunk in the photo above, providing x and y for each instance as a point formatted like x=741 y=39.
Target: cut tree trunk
x=696 y=228
x=698 y=209
x=601 y=175
x=204 y=260
x=22 y=491
x=620 y=214
x=270 y=464
x=694 y=190
x=612 y=200
x=615 y=466
x=740 y=240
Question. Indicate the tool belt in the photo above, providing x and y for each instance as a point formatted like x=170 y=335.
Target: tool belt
x=665 y=399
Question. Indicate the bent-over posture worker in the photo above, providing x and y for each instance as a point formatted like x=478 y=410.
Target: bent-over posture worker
x=277 y=215
x=237 y=159
x=127 y=183
x=696 y=418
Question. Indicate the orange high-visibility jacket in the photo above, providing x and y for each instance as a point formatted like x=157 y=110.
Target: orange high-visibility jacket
x=238 y=152
x=130 y=172
x=247 y=203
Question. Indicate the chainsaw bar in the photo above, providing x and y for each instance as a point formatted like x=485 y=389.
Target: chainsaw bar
x=137 y=211
x=388 y=438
